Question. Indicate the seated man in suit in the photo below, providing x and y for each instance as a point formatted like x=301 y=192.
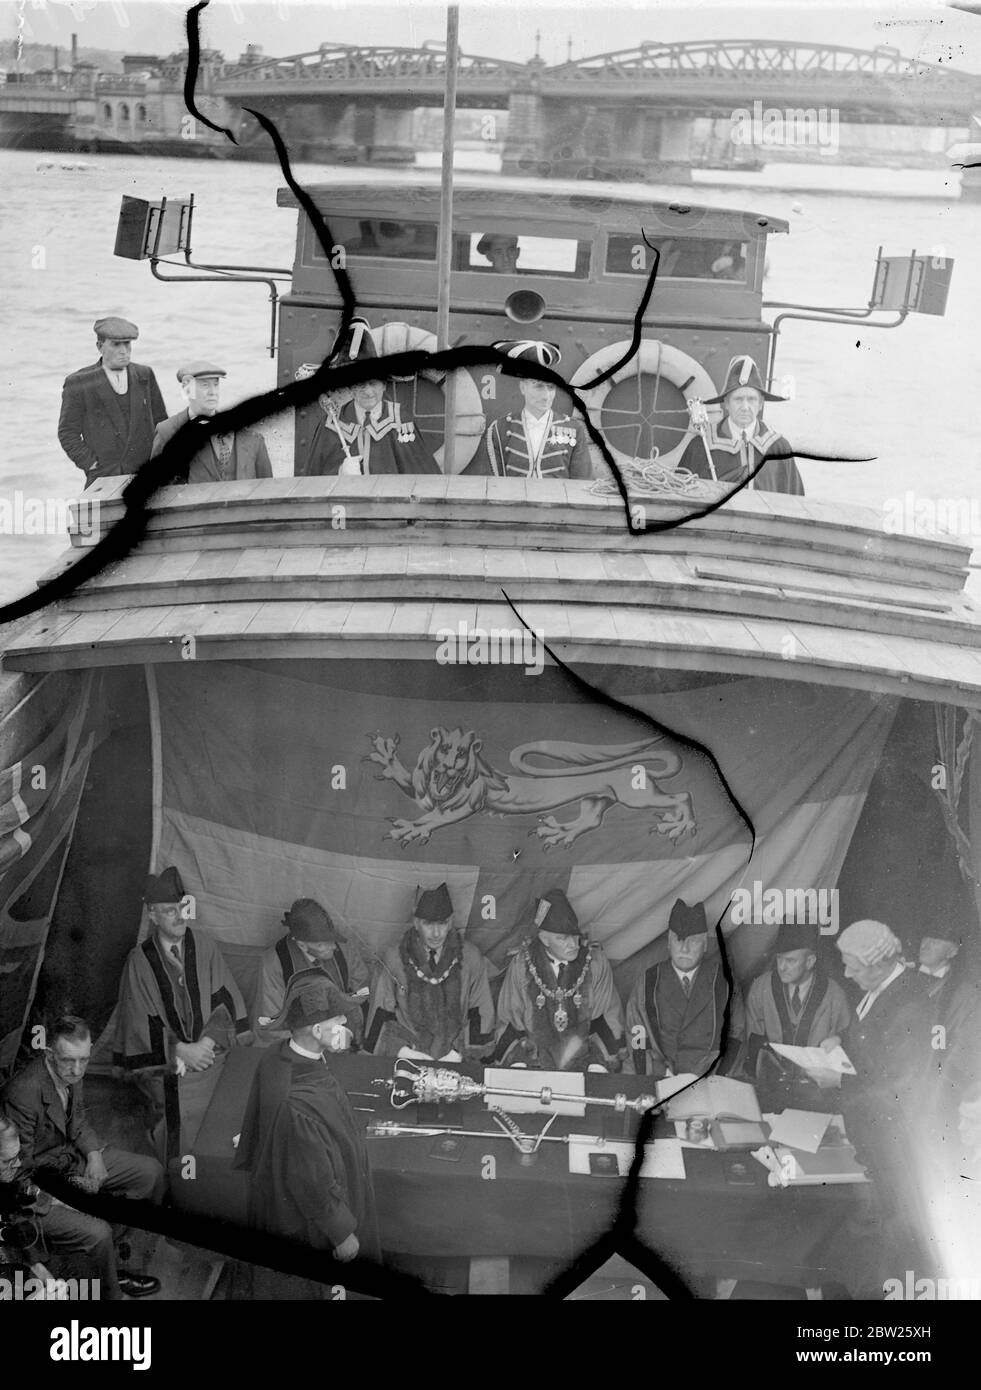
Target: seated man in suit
x=224 y=457
x=558 y=1009
x=676 y=1009
x=794 y=1002
x=44 y=1102
x=312 y=942
x=535 y=442
x=109 y=411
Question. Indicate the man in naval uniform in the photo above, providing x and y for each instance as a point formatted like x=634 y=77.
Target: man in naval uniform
x=312 y=942
x=430 y=996
x=676 y=1010
x=224 y=457
x=536 y=442
x=109 y=410
x=179 y=1013
x=368 y=434
x=558 y=1009
x=730 y=450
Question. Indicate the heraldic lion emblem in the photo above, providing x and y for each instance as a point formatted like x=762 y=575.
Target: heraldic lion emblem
x=451 y=781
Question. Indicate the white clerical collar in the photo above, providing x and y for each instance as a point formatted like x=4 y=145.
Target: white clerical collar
x=873 y=994
x=302 y=1051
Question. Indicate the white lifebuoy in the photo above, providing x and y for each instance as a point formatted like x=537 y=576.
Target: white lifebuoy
x=654 y=358
x=470 y=422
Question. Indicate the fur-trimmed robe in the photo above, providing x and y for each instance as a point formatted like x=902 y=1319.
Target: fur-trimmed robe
x=733 y=460
x=527 y=1033
x=684 y=1034
x=457 y=1015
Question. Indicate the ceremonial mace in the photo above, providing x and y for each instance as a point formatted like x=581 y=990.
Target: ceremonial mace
x=412 y=1083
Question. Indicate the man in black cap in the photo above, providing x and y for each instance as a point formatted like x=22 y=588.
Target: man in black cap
x=109 y=411
x=312 y=942
x=558 y=1009
x=223 y=458
x=729 y=451
x=953 y=991
x=179 y=1013
x=796 y=1003
x=676 y=1009
x=534 y=442
x=301 y=1145
x=369 y=433
x=430 y=995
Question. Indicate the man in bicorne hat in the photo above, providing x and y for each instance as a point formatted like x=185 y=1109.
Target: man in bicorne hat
x=558 y=1009
x=368 y=434
x=730 y=450
x=796 y=1003
x=311 y=942
x=179 y=1013
x=301 y=1145
x=223 y=458
x=675 y=1014
x=430 y=995
x=536 y=442
x=109 y=410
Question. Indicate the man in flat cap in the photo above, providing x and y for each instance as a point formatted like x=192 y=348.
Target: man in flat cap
x=301 y=1144
x=223 y=458
x=535 y=442
x=730 y=451
x=430 y=994
x=109 y=411
x=794 y=1002
x=312 y=942
x=558 y=1009
x=370 y=433
x=675 y=1014
x=179 y=1013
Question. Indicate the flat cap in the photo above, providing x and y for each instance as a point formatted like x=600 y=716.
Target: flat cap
x=113 y=327
x=197 y=369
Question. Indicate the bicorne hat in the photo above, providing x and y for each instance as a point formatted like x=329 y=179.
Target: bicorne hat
x=743 y=371
x=526 y=350
x=310 y=998
x=687 y=921
x=308 y=921
x=357 y=344
x=433 y=904
x=164 y=888
x=556 y=914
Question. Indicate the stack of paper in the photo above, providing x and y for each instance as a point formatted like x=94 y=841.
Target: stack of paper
x=826 y=1068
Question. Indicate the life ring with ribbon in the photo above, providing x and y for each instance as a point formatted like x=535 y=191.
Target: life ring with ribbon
x=470 y=422
x=656 y=359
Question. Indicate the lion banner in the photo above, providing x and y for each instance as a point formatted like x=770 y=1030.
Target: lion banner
x=352 y=782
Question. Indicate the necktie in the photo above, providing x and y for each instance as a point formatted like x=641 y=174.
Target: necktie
x=432 y=962
x=686 y=985
x=223 y=450
x=175 y=952
x=795 y=997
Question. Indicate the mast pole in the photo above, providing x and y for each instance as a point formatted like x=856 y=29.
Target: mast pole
x=445 y=257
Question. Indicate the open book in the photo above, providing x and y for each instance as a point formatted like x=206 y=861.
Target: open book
x=717 y=1098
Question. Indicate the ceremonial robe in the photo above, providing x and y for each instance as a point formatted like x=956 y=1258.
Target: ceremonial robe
x=684 y=1034
x=455 y=1015
x=249 y=457
x=385 y=442
x=305 y=1154
x=506 y=451
x=280 y=963
x=768 y=1013
x=527 y=1030
x=734 y=459
x=160 y=1006
x=105 y=434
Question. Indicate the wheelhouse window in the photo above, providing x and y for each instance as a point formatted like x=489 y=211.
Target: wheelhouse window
x=682 y=258
x=382 y=238
x=511 y=253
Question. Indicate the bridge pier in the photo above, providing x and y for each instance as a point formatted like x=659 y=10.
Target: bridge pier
x=559 y=139
x=524 y=145
x=390 y=140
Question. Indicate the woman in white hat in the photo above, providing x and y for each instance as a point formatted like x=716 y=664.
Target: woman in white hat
x=732 y=450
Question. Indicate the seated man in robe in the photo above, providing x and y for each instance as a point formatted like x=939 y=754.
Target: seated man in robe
x=794 y=1002
x=179 y=1013
x=369 y=433
x=676 y=1010
x=311 y=942
x=558 y=1009
x=537 y=442
x=731 y=451
x=301 y=1144
x=430 y=995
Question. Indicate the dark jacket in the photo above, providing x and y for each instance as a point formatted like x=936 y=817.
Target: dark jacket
x=104 y=434
x=48 y=1137
x=250 y=458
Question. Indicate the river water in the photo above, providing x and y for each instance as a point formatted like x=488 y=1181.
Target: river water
x=910 y=397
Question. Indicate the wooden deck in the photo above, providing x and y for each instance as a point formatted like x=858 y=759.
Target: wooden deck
x=324 y=567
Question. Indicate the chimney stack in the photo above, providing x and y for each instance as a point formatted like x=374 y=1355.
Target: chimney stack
x=74 y=51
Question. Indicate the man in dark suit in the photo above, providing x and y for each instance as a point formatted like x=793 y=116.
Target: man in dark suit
x=223 y=458
x=109 y=410
x=44 y=1102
